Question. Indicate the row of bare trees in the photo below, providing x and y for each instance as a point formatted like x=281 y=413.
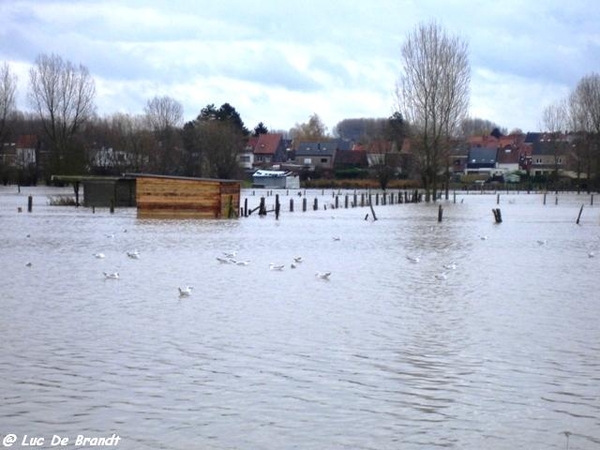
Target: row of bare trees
x=74 y=140
x=577 y=117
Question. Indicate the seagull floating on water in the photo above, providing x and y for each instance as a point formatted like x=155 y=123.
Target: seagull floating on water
x=483 y=238
x=230 y=255
x=134 y=254
x=323 y=275
x=28 y=264
x=223 y=260
x=413 y=259
x=451 y=266
x=111 y=275
x=240 y=263
x=441 y=276
x=591 y=254
x=185 y=291
x=337 y=238
x=298 y=259
x=276 y=266
x=99 y=255
x=542 y=241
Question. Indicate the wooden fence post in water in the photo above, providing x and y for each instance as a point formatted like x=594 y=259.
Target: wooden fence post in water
x=592 y=200
x=579 y=216
x=303 y=204
x=112 y=205
x=29 y=203
x=277 y=207
x=498 y=199
x=246 y=207
x=544 y=198
x=497 y=215
x=337 y=201
x=440 y=213
x=291 y=205
x=372 y=211
x=346 y=202
x=316 y=204
x=262 y=209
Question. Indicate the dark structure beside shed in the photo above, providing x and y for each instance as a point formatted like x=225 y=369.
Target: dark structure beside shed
x=102 y=192
x=99 y=191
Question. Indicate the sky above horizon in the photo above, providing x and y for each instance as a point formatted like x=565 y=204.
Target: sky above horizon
x=278 y=62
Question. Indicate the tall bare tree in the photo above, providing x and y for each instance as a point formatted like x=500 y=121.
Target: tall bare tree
x=165 y=117
x=62 y=95
x=8 y=90
x=433 y=96
x=554 y=122
x=584 y=119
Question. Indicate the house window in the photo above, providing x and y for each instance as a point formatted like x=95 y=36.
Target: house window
x=324 y=160
x=307 y=161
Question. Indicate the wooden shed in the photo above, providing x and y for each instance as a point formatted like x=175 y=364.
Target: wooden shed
x=168 y=196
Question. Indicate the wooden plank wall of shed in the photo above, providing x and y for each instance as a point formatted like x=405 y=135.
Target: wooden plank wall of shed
x=171 y=196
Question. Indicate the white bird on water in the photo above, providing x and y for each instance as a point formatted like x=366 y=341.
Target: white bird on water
x=134 y=254
x=276 y=266
x=298 y=259
x=441 y=276
x=450 y=266
x=99 y=255
x=111 y=275
x=323 y=275
x=591 y=254
x=185 y=291
x=223 y=260
x=413 y=259
x=542 y=241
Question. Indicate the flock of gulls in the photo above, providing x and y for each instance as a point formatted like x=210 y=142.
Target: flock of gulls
x=230 y=258
x=225 y=258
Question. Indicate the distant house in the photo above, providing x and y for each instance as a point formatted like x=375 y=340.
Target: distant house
x=313 y=155
x=508 y=159
x=246 y=156
x=377 y=151
x=22 y=153
x=269 y=149
x=549 y=153
x=482 y=160
x=350 y=159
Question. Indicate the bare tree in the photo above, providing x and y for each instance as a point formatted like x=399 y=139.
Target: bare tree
x=164 y=113
x=165 y=117
x=554 y=120
x=62 y=95
x=584 y=120
x=433 y=96
x=8 y=89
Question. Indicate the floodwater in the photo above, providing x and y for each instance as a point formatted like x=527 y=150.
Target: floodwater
x=502 y=352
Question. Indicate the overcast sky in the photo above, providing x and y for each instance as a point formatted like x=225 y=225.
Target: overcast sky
x=278 y=62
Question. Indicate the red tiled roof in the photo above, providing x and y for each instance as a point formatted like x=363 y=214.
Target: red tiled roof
x=27 y=141
x=267 y=144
